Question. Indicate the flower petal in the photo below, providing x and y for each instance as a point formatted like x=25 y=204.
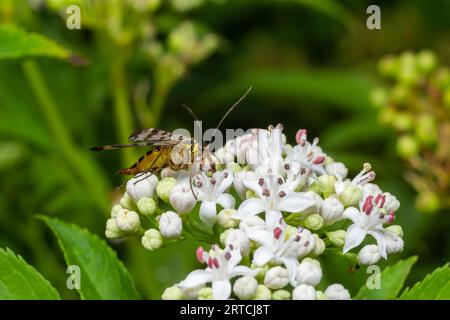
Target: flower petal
x=226 y=200
x=381 y=241
x=208 y=212
x=295 y=202
x=250 y=207
x=242 y=271
x=261 y=256
x=291 y=267
x=262 y=237
x=225 y=183
x=221 y=289
x=352 y=214
x=355 y=235
x=273 y=218
x=196 y=278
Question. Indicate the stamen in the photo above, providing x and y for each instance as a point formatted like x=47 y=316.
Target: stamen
x=225 y=175
x=261 y=182
x=282 y=194
x=300 y=136
x=391 y=218
x=297 y=238
x=367 y=206
x=307 y=243
x=213 y=181
x=280 y=181
x=227 y=255
x=319 y=160
x=277 y=232
x=287 y=166
x=266 y=192
x=215 y=263
x=199 y=184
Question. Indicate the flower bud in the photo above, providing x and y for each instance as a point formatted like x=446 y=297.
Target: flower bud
x=225 y=218
x=234 y=167
x=319 y=247
x=263 y=293
x=164 y=188
x=276 y=278
x=426 y=61
x=181 y=198
x=426 y=129
x=260 y=271
x=337 y=169
x=281 y=295
x=142 y=186
x=388 y=65
x=146 y=206
x=337 y=292
x=170 y=225
x=152 y=240
x=126 y=202
x=289 y=232
x=368 y=255
x=115 y=210
x=407 y=72
x=205 y=293
x=351 y=196
x=191 y=293
x=304 y=292
x=402 y=121
x=250 y=194
x=337 y=237
x=112 y=230
x=173 y=293
x=245 y=288
x=238 y=239
x=320 y=295
x=128 y=221
x=428 y=202
x=326 y=184
x=407 y=146
x=394 y=243
x=314 y=222
x=309 y=272
x=396 y=229
x=331 y=210
x=253 y=222
x=379 y=97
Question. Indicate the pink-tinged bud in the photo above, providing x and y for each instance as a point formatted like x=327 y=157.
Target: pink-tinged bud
x=199 y=254
x=319 y=160
x=210 y=262
x=300 y=136
x=277 y=232
x=377 y=198
x=391 y=218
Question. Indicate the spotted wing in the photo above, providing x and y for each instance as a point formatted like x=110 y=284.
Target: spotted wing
x=157 y=137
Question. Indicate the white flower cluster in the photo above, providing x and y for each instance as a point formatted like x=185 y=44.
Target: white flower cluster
x=275 y=208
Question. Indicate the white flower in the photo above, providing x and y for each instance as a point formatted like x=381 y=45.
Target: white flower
x=173 y=293
x=170 y=225
x=394 y=243
x=112 y=230
x=269 y=151
x=246 y=147
x=276 y=278
x=127 y=220
x=308 y=155
x=369 y=255
x=304 y=292
x=278 y=248
x=252 y=222
x=245 y=287
x=211 y=191
x=331 y=210
x=226 y=218
x=337 y=169
x=239 y=181
x=309 y=272
x=319 y=246
x=350 y=192
x=226 y=154
x=272 y=199
x=238 y=239
x=369 y=219
x=181 y=197
x=222 y=266
x=337 y=292
x=143 y=185
x=263 y=293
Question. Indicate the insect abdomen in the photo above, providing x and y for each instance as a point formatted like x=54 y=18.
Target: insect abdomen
x=155 y=159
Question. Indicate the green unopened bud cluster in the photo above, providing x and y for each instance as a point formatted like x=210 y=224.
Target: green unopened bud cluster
x=417 y=106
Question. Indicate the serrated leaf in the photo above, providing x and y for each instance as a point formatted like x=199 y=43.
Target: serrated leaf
x=392 y=280
x=102 y=274
x=435 y=286
x=20 y=281
x=17 y=43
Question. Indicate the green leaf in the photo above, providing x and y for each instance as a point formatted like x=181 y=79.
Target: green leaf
x=435 y=286
x=20 y=281
x=103 y=276
x=17 y=43
x=392 y=279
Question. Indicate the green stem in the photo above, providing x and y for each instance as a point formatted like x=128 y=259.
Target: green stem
x=81 y=165
x=122 y=114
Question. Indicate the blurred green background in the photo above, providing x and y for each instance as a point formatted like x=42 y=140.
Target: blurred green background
x=312 y=64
